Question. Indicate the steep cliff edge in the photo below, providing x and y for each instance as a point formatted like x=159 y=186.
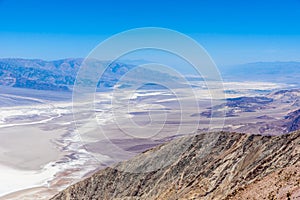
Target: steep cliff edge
x=205 y=166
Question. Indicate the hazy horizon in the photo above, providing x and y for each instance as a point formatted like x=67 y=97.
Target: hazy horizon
x=232 y=32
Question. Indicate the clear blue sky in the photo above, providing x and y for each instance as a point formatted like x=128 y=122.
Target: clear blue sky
x=232 y=31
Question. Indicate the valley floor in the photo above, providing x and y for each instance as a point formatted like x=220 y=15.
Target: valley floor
x=43 y=149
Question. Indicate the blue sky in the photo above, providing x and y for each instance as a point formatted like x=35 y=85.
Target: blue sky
x=232 y=31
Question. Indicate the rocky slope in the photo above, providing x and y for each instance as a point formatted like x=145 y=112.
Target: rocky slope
x=205 y=166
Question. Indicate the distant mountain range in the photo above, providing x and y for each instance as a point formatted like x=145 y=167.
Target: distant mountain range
x=39 y=74
x=284 y=72
x=60 y=75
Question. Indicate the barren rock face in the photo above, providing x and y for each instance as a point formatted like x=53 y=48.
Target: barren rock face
x=205 y=166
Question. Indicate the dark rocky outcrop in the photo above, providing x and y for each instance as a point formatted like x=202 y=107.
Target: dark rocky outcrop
x=205 y=166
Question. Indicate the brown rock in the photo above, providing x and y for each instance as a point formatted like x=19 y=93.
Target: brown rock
x=205 y=166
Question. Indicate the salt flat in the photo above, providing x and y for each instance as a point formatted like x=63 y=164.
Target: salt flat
x=43 y=148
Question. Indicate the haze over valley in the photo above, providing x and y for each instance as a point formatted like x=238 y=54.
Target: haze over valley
x=149 y=100
x=57 y=150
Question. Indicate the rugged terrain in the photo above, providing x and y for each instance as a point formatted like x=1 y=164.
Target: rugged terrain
x=57 y=75
x=205 y=166
x=60 y=75
x=273 y=113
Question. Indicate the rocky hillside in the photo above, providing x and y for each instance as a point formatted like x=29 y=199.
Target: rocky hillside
x=205 y=166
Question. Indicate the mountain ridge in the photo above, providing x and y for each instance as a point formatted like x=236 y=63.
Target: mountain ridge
x=218 y=165
x=61 y=75
x=278 y=72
